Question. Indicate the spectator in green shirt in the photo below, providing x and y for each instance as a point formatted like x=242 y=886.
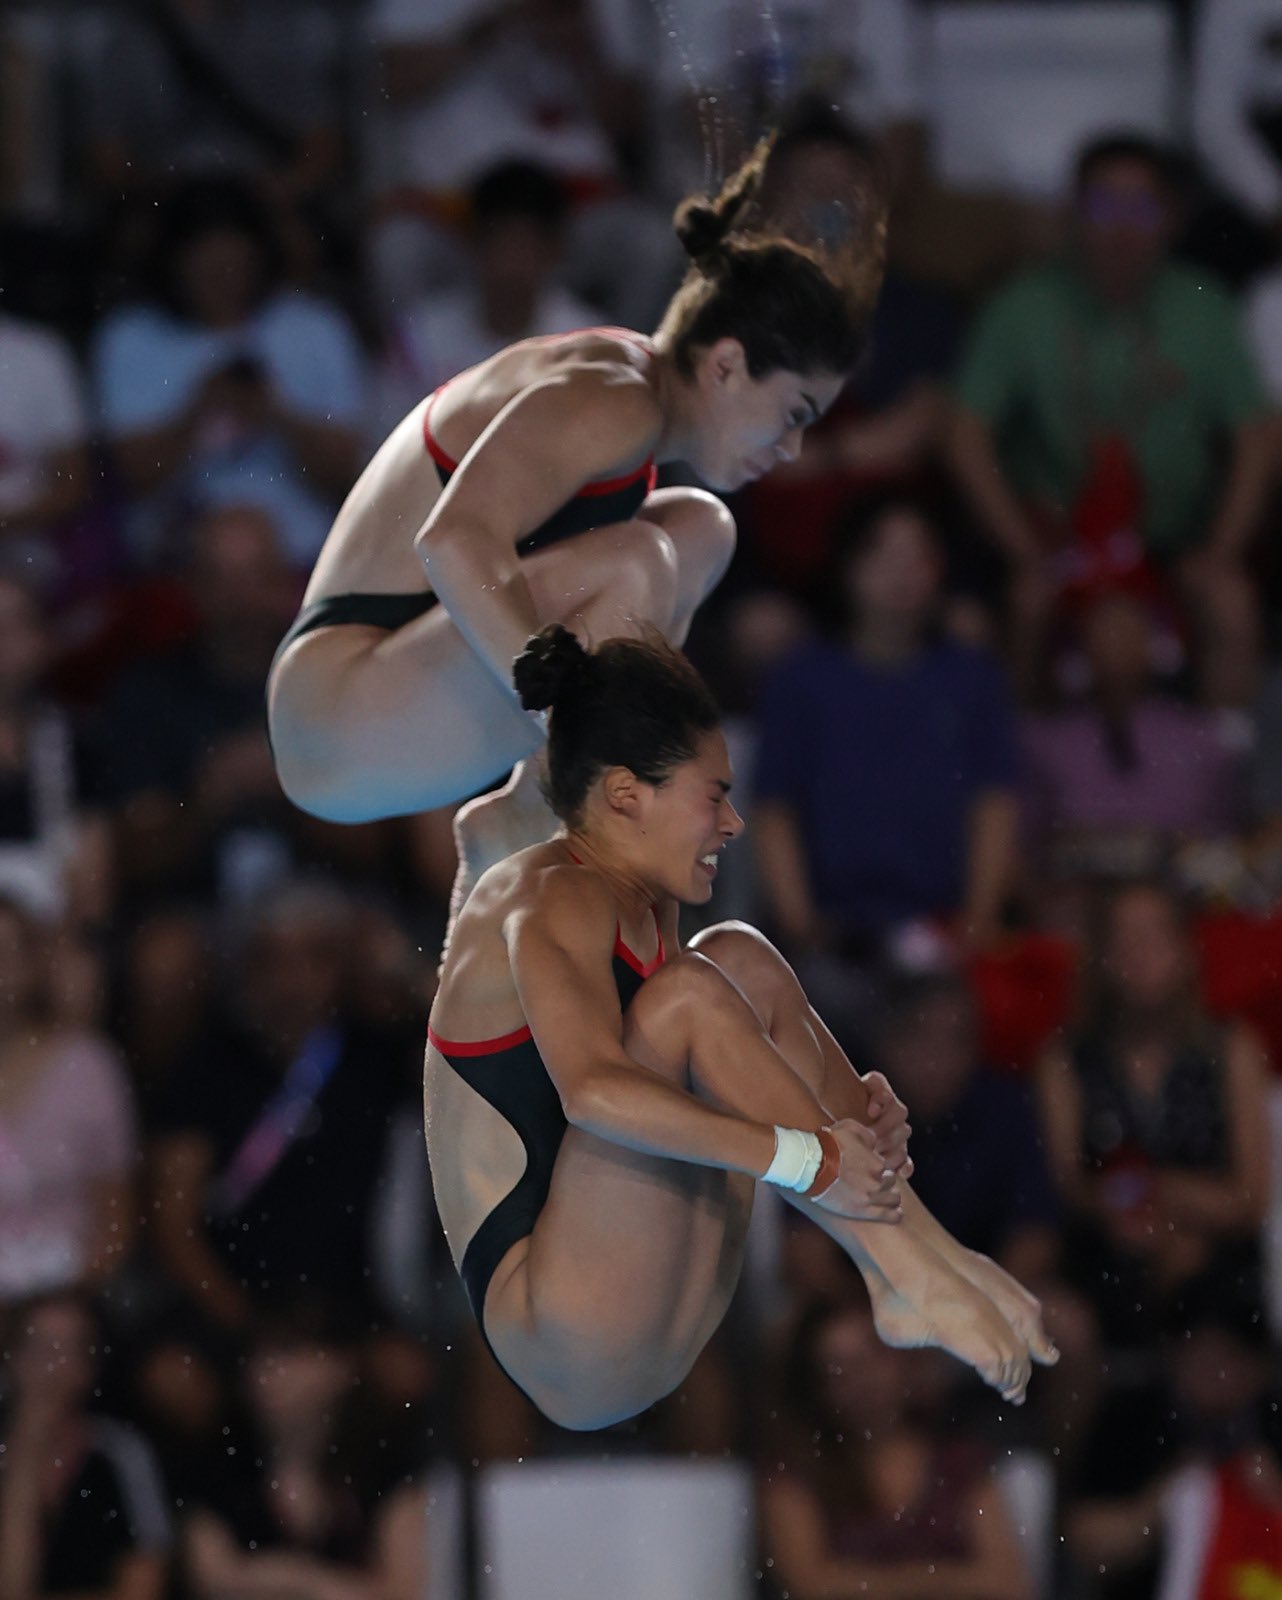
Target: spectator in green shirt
x=1110 y=428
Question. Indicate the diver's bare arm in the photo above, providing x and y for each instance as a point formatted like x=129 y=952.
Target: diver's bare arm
x=560 y=947
x=535 y=455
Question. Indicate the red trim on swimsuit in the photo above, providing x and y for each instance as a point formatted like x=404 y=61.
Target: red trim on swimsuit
x=631 y=957
x=433 y=449
x=621 y=949
x=646 y=470
x=479 y=1047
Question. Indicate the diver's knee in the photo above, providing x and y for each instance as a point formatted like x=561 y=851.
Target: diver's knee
x=703 y=534
x=689 y=989
x=743 y=954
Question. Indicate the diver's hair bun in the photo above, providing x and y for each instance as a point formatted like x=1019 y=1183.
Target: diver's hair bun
x=550 y=663
x=704 y=223
x=701 y=229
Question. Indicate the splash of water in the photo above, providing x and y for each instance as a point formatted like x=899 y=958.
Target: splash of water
x=767 y=53
x=707 y=103
x=774 y=77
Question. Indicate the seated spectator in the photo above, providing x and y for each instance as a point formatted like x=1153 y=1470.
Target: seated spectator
x=318 y=1509
x=81 y=1506
x=1156 y=1128
x=862 y=1495
x=186 y=760
x=185 y=86
x=888 y=424
x=976 y=1141
x=1113 y=785
x=516 y=217
x=174 y=1388
x=186 y=768
x=225 y=388
x=884 y=788
x=272 y=1142
x=552 y=81
x=1097 y=402
x=44 y=438
x=1181 y=1494
x=67 y=1140
x=55 y=844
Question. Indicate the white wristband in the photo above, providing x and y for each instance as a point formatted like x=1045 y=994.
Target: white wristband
x=798 y=1157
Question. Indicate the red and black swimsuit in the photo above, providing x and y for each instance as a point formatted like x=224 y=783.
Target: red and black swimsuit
x=509 y=1073
x=595 y=505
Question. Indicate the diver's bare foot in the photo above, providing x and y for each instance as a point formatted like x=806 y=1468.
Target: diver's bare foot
x=947 y=1313
x=496 y=825
x=1020 y=1308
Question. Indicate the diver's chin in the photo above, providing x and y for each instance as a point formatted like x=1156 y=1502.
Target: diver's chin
x=717 y=476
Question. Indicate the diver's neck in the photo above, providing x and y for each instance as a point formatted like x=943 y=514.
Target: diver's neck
x=675 y=442
x=629 y=886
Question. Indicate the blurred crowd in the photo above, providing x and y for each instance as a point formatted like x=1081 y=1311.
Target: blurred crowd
x=1002 y=663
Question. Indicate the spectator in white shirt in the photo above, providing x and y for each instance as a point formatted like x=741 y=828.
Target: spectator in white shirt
x=226 y=388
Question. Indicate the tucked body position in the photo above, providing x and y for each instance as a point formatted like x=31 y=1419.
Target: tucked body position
x=602 y=1102
x=523 y=492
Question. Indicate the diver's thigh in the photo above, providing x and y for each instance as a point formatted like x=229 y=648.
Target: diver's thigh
x=630 y=1266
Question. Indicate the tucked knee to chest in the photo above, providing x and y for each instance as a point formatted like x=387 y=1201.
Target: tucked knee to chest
x=688 y=992
x=747 y=958
x=703 y=536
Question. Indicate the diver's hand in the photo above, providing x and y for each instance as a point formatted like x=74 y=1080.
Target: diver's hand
x=887 y=1116
x=865 y=1189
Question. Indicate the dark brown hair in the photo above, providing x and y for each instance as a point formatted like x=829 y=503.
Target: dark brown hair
x=634 y=703
x=793 y=307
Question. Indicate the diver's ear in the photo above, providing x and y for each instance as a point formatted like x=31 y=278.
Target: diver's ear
x=621 y=790
x=723 y=364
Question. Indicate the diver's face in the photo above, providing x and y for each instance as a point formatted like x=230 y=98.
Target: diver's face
x=687 y=821
x=744 y=426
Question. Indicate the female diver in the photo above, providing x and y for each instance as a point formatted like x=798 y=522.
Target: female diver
x=600 y=1103
x=522 y=492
